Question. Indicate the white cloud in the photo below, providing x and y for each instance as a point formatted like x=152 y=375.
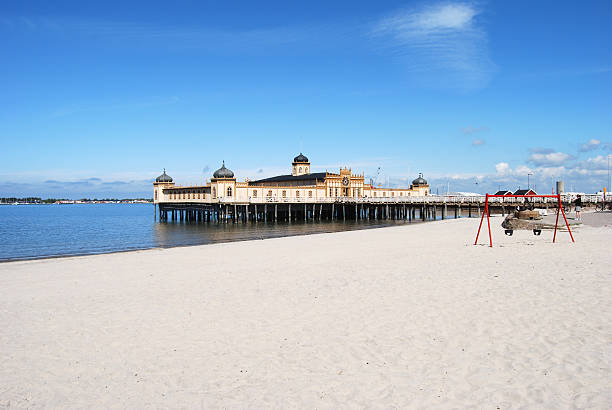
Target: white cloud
x=522 y=170
x=548 y=172
x=442 y=39
x=590 y=145
x=596 y=163
x=443 y=16
x=478 y=141
x=503 y=168
x=473 y=130
x=550 y=158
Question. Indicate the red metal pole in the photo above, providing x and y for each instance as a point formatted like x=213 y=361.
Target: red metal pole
x=566 y=224
x=557 y=221
x=488 y=223
x=478 y=233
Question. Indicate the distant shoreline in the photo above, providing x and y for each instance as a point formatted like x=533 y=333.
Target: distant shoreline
x=76 y=202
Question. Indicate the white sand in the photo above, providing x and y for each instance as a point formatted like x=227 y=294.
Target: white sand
x=412 y=316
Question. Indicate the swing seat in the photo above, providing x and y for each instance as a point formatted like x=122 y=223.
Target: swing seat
x=509 y=232
x=537 y=232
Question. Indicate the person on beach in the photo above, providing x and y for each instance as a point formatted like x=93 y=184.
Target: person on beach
x=578 y=205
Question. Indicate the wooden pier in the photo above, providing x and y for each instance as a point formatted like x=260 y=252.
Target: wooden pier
x=342 y=209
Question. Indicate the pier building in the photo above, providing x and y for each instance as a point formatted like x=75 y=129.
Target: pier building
x=306 y=195
x=300 y=185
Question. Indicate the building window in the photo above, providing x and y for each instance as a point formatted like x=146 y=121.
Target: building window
x=214 y=192
x=284 y=194
x=300 y=170
x=384 y=194
x=155 y=195
x=392 y=193
x=297 y=194
x=336 y=192
x=309 y=194
x=269 y=193
x=255 y=194
x=401 y=194
x=331 y=192
x=374 y=193
x=229 y=191
x=198 y=195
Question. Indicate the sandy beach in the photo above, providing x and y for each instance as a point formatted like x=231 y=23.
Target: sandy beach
x=402 y=317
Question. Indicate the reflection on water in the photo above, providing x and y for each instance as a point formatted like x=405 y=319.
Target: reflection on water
x=180 y=234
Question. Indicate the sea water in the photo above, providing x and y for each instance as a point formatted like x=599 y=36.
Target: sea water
x=39 y=231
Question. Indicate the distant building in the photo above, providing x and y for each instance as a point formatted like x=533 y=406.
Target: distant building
x=525 y=192
x=503 y=192
x=301 y=185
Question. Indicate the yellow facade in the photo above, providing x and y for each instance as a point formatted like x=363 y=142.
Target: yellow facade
x=300 y=186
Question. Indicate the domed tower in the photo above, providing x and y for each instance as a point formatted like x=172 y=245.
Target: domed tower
x=300 y=165
x=161 y=182
x=420 y=185
x=223 y=173
x=223 y=183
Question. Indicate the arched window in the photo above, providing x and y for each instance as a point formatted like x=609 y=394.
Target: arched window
x=297 y=194
x=331 y=192
x=229 y=191
x=374 y=193
x=255 y=194
x=309 y=194
x=336 y=192
x=214 y=192
x=384 y=194
x=392 y=193
x=284 y=194
x=269 y=193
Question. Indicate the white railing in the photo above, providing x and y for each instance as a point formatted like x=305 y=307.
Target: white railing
x=431 y=199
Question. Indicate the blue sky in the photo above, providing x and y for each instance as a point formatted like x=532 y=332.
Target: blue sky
x=98 y=98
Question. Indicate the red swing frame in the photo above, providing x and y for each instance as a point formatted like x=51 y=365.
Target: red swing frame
x=486 y=211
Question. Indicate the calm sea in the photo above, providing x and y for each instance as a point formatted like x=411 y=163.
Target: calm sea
x=38 y=231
